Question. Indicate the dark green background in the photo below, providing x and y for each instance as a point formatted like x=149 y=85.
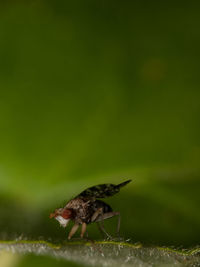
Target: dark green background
x=94 y=92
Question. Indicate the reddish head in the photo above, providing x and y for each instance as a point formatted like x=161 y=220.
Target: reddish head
x=65 y=213
x=62 y=215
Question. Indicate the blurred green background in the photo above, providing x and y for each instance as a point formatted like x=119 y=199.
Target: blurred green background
x=99 y=92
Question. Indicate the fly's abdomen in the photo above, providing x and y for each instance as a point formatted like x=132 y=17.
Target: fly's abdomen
x=100 y=204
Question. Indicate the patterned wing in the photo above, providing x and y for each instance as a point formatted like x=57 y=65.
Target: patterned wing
x=102 y=190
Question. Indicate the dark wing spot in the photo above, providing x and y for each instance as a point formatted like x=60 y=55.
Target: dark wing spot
x=102 y=190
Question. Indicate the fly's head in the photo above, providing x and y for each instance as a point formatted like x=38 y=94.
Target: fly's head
x=62 y=215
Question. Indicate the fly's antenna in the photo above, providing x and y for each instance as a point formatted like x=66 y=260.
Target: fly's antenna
x=124 y=183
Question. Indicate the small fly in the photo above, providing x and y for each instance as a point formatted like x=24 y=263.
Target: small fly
x=86 y=208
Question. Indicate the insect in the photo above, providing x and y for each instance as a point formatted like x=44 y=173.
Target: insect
x=87 y=208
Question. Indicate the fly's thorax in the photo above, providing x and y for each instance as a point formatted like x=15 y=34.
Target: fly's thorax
x=82 y=208
x=77 y=203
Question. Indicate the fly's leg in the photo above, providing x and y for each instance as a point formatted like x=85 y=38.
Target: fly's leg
x=105 y=216
x=118 y=222
x=99 y=213
x=100 y=229
x=94 y=217
x=103 y=230
x=83 y=229
x=96 y=214
x=73 y=230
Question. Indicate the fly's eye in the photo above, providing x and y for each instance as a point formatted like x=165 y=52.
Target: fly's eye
x=67 y=213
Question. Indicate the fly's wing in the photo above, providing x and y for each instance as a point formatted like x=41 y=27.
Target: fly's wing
x=102 y=190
